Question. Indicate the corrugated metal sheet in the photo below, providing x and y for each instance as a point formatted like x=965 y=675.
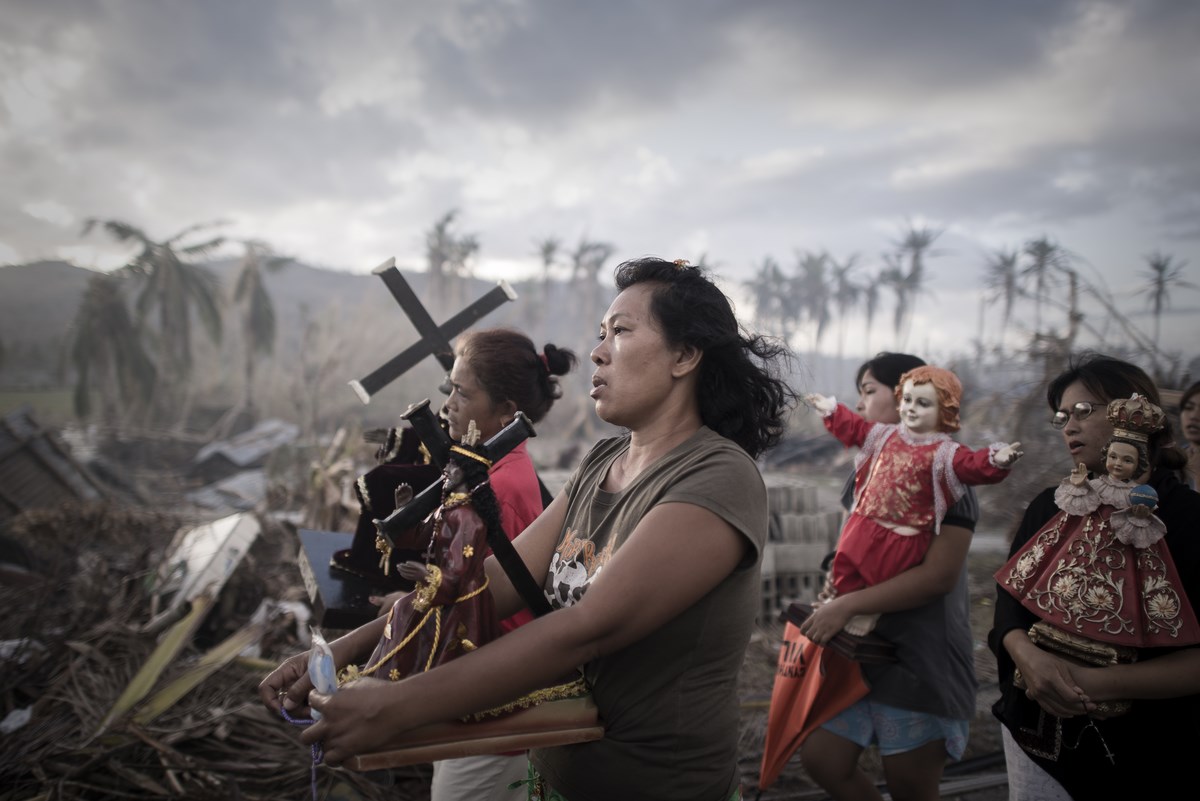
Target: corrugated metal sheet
x=240 y=492
x=249 y=448
x=36 y=470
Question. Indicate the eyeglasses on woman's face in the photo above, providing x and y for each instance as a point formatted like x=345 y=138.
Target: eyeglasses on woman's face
x=1080 y=411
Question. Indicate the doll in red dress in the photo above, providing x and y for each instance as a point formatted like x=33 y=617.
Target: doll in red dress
x=906 y=476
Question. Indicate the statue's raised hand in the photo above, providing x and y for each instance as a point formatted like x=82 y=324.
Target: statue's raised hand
x=1009 y=454
x=822 y=403
x=413 y=570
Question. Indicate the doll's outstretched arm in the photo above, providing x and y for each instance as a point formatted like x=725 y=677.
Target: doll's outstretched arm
x=824 y=404
x=850 y=428
x=1008 y=455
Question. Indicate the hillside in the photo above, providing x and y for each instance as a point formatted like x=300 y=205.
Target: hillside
x=38 y=301
x=332 y=327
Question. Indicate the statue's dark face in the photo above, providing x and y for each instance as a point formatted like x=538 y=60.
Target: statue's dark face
x=453 y=475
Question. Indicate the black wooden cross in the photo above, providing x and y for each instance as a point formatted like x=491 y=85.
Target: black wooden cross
x=435 y=339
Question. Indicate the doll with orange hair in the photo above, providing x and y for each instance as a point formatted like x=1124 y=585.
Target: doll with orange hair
x=906 y=476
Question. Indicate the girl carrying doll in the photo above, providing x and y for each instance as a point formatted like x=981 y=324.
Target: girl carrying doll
x=907 y=476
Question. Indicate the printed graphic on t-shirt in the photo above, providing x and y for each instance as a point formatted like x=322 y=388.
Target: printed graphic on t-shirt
x=572 y=569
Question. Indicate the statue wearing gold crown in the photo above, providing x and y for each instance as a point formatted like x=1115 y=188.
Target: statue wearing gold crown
x=1099 y=574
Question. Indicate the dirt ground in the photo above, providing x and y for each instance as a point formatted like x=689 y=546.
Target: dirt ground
x=978 y=777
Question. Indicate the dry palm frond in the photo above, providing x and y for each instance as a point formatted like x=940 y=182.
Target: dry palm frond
x=168 y=648
x=202 y=733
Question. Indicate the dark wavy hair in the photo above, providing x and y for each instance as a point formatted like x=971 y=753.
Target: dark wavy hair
x=741 y=392
x=1110 y=378
x=887 y=368
x=508 y=367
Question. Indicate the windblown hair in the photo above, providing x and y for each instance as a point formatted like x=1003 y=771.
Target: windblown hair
x=887 y=368
x=508 y=367
x=949 y=393
x=742 y=393
x=1109 y=378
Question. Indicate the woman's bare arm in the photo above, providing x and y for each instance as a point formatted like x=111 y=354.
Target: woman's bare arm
x=535 y=545
x=632 y=597
x=1171 y=676
x=935 y=576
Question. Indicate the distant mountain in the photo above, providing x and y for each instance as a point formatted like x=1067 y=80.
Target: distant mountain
x=39 y=301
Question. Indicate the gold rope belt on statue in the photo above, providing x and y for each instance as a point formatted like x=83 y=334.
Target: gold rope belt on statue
x=437 y=632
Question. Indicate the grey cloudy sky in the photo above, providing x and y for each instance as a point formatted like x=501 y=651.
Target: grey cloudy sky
x=340 y=131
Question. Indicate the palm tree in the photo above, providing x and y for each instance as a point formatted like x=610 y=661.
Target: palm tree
x=917 y=244
x=547 y=250
x=317 y=362
x=258 y=312
x=1001 y=278
x=108 y=354
x=447 y=254
x=587 y=260
x=892 y=277
x=173 y=285
x=1164 y=273
x=1047 y=259
x=811 y=294
x=466 y=247
x=870 y=301
x=767 y=289
x=845 y=294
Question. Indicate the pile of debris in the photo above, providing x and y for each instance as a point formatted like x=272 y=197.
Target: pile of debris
x=138 y=625
x=120 y=680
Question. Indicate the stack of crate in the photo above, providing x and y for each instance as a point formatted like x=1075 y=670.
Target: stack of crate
x=801 y=535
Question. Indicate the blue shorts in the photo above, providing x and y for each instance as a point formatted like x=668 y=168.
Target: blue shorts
x=896 y=730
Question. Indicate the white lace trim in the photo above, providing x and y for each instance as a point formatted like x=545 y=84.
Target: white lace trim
x=1112 y=492
x=1076 y=500
x=943 y=463
x=943 y=472
x=1140 y=532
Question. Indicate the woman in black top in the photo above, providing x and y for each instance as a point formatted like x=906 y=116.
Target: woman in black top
x=1056 y=742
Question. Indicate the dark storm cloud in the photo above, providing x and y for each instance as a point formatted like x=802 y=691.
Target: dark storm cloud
x=554 y=59
x=943 y=43
x=263 y=108
x=213 y=93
